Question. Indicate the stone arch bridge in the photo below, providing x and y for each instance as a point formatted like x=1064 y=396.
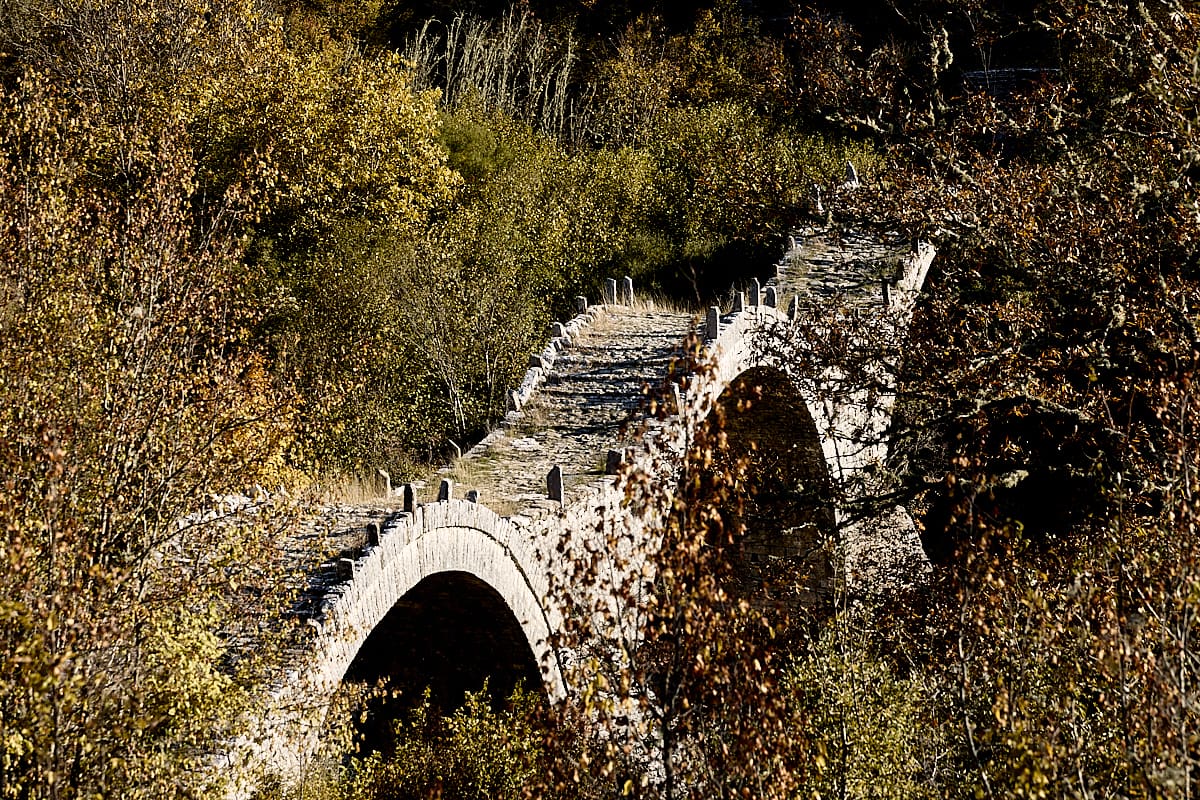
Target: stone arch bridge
x=475 y=574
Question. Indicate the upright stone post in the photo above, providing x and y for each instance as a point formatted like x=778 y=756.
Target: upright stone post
x=612 y=464
x=514 y=400
x=755 y=292
x=345 y=569
x=739 y=302
x=610 y=291
x=627 y=291
x=770 y=297
x=851 y=175
x=887 y=293
x=473 y=496
x=554 y=483
x=373 y=534
x=557 y=330
x=793 y=307
x=713 y=323
x=410 y=498
x=445 y=490
x=580 y=304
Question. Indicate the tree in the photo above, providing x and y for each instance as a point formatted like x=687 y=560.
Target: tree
x=131 y=393
x=678 y=675
x=1053 y=416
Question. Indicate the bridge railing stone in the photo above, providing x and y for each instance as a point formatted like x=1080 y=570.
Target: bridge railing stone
x=541 y=363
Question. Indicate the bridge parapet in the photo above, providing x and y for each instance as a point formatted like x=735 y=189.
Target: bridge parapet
x=542 y=363
x=527 y=538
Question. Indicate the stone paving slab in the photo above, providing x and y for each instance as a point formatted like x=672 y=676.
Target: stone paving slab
x=822 y=265
x=596 y=387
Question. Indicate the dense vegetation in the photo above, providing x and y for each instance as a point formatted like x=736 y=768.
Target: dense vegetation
x=246 y=244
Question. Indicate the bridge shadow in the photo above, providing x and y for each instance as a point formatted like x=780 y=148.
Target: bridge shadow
x=783 y=557
x=447 y=636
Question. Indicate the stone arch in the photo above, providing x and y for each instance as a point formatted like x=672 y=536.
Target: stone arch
x=448 y=631
x=850 y=423
x=454 y=537
x=448 y=635
x=743 y=347
x=787 y=510
x=490 y=553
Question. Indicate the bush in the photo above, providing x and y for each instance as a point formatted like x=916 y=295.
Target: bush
x=473 y=753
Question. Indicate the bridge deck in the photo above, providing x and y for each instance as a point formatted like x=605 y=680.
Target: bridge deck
x=852 y=266
x=596 y=387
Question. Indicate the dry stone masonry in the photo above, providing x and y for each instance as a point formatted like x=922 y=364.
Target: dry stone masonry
x=545 y=476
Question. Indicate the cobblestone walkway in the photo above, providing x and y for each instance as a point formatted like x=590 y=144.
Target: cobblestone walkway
x=597 y=385
x=593 y=390
x=822 y=266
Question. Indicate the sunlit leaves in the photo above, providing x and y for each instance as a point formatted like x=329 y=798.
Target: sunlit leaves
x=123 y=397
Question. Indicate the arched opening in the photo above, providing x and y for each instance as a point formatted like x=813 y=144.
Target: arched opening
x=450 y=634
x=786 y=507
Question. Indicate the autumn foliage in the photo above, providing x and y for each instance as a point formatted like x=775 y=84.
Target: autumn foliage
x=248 y=248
